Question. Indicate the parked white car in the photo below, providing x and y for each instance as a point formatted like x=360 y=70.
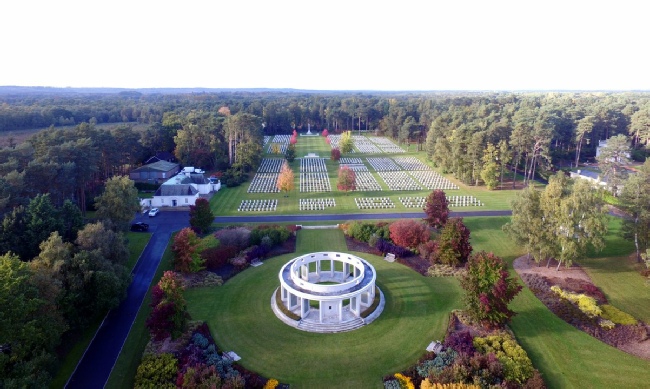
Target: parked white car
x=153 y=212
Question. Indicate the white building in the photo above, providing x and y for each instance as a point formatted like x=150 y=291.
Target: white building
x=183 y=189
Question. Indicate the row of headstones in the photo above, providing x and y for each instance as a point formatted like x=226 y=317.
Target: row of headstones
x=312 y=165
x=265 y=205
x=432 y=180
x=315 y=182
x=411 y=164
x=264 y=183
x=316 y=204
x=383 y=164
x=399 y=181
x=454 y=201
x=365 y=181
x=270 y=165
x=374 y=202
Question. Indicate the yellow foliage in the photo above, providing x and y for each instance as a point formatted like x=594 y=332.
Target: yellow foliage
x=271 y=384
x=586 y=304
x=404 y=381
x=617 y=316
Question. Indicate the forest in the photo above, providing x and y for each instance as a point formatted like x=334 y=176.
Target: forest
x=462 y=133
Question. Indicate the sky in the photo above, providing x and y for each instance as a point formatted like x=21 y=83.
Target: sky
x=327 y=45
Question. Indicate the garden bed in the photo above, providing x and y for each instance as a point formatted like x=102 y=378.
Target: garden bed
x=631 y=338
x=415 y=262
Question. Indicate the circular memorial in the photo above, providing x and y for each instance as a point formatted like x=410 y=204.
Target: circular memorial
x=327 y=292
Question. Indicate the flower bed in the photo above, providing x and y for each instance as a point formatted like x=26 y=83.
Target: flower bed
x=607 y=330
x=471 y=355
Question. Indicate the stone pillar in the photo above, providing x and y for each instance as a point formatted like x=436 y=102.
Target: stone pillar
x=320 y=311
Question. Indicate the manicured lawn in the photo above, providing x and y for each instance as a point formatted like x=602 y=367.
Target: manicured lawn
x=241 y=320
x=240 y=317
x=227 y=200
x=624 y=287
x=137 y=242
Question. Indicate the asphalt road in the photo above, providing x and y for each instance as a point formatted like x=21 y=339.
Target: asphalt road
x=96 y=364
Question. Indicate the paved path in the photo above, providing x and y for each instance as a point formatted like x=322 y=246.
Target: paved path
x=96 y=365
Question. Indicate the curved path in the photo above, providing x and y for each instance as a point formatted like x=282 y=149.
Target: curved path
x=98 y=360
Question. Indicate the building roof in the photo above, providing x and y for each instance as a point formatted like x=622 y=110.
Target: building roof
x=161 y=156
x=176 y=190
x=160 y=166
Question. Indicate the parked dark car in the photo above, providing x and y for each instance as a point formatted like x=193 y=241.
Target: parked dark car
x=140 y=226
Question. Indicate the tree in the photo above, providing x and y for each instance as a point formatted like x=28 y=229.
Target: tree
x=489 y=289
x=635 y=201
x=611 y=160
x=169 y=310
x=325 y=133
x=574 y=216
x=408 y=233
x=119 y=202
x=290 y=154
x=345 y=143
x=490 y=170
x=347 y=179
x=111 y=245
x=42 y=220
x=335 y=154
x=185 y=249
x=201 y=216
x=437 y=209
x=25 y=327
x=528 y=227
x=505 y=156
x=585 y=126
x=453 y=243
x=285 y=181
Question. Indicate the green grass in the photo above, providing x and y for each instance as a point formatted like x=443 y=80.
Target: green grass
x=137 y=242
x=619 y=279
x=127 y=363
x=240 y=317
x=566 y=357
x=227 y=200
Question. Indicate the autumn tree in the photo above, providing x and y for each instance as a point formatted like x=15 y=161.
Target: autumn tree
x=185 y=249
x=489 y=289
x=201 y=216
x=408 y=233
x=346 y=144
x=454 y=247
x=325 y=133
x=436 y=208
x=285 y=181
x=169 y=309
x=347 y=179
x=119 y=202
x=335 y=154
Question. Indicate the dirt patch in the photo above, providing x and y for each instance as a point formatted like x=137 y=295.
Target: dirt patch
x=631 y=339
